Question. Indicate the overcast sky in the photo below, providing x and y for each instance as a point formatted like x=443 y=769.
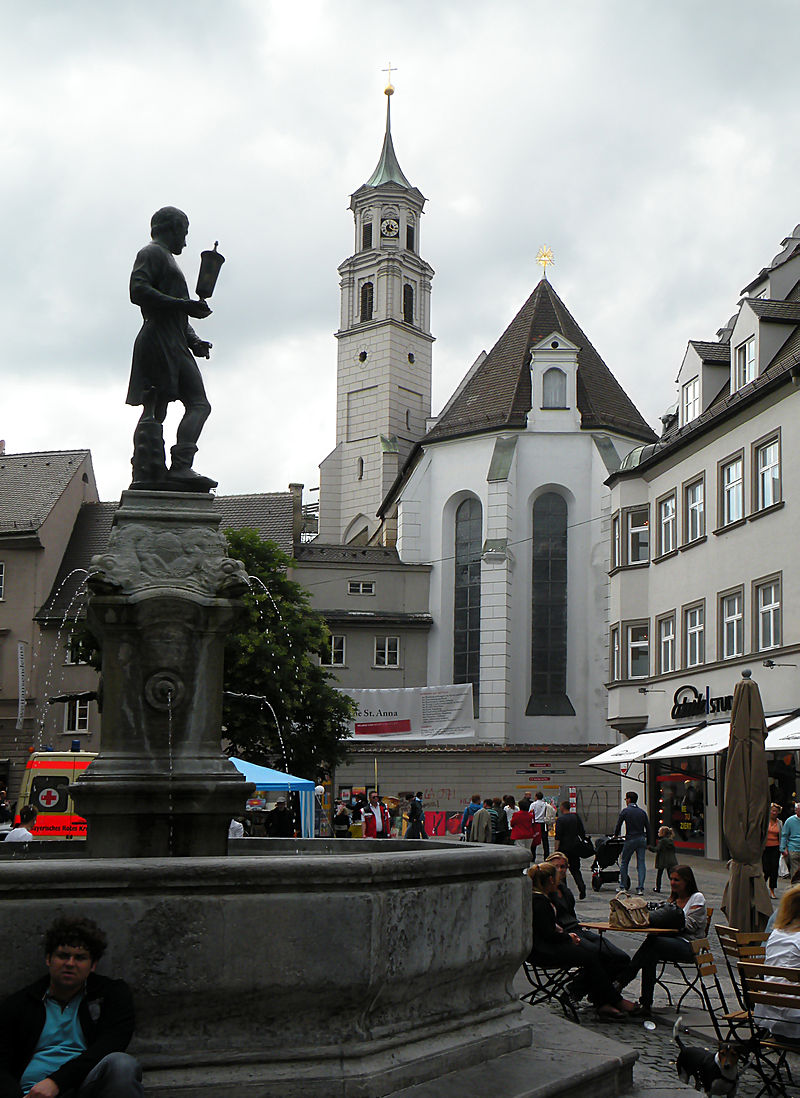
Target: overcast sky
x=653 y=147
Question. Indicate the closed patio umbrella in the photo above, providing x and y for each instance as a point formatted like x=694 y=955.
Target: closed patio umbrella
x=746 y=901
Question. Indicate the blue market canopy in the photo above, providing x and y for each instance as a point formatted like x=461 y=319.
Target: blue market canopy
x=263 y=777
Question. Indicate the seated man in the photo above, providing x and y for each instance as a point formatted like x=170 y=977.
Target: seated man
x=66 y=1033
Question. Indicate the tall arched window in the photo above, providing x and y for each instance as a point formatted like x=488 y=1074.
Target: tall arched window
x=554 y=389
x=367 y=294
x=408 y=303
x=467 y=617
x=549 y=617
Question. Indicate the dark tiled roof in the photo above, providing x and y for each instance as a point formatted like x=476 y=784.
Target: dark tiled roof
x=498 y=395
x=786 y=312
x=378 y=617
x=317 y=553
x=785 y=365
x=715 y=353
x=270 y=513
x=31 y=484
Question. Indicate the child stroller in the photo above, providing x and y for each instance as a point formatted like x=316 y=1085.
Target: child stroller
x=605 y=867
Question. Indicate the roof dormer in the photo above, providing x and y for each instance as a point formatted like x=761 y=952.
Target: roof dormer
x=554 y=383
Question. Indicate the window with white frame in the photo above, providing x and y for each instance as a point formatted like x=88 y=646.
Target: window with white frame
x=666 y=644
x=694 y=635
x=690 y=400
x=387 y=651
x=77 y=649
x=361 y=587
x=638 y=524
x=76 y=715
x=638 y=638
x=614 y=665
x=767 y=473
x=768 y=614
x=2 y=580
x=694 y=511
x=616 y=542
x=732 y=491
x=667 y=535
x=334 y=655
x=745 y=362
x=731 y=624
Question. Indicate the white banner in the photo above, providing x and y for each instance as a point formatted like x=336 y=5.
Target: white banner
x=20 y=684
x=415 y=713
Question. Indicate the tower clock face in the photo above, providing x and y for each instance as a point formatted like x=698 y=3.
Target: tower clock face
x=389 y=227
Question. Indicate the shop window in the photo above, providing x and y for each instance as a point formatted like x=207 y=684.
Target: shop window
x=680 y=800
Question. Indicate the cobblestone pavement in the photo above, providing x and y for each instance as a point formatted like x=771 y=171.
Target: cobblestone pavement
x=654 y=1073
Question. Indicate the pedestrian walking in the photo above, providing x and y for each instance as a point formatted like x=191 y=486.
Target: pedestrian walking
x=539 y=810
x=569 y=833
x=637 y=837
x=666 y=858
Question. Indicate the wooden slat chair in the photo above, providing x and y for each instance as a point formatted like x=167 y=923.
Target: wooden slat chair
x=689 y=970
x=740 y=945
x=768 y=987
x=551 y=985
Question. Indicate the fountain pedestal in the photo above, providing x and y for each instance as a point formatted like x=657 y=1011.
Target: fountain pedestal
x=165 y=595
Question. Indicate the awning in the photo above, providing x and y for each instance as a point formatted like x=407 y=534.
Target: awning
x=263 y=777
x=637 y=747
x=786 y=737
x=707 y=740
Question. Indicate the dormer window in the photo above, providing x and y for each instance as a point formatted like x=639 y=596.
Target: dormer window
x=690 y=400
x=745 y=365
x=554 y=388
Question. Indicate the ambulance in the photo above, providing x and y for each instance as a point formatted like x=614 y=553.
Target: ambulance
x=44 y=785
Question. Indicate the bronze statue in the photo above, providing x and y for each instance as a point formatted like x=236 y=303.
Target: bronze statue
x=164 y=367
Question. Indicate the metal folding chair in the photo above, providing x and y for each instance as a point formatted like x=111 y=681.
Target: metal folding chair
x=765 y=988
x=688 y=970
x=551 y=985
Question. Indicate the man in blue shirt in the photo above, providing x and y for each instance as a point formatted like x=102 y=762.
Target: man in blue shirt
x=637 y=836
x=790 y=843
x=66 y=1034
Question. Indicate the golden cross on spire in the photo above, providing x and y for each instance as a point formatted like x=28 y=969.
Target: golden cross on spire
x=545 y=259
x=389 y=85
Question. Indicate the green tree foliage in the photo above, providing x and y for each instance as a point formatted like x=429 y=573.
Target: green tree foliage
x=274 y=653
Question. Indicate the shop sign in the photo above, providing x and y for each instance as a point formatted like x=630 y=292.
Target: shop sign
x=687 y=701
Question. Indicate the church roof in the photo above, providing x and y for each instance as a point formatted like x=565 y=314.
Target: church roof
x=498 y=394
x=388 y=169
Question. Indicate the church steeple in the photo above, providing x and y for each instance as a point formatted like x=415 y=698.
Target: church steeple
x=384 y=368
x=388 y=169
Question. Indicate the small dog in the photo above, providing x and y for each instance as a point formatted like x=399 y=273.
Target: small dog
x=714 y=1073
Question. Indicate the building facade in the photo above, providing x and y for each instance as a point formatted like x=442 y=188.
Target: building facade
x=703 y=582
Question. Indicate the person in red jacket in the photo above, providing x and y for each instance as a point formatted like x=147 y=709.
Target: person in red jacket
x=377 y=821
x=524 y=831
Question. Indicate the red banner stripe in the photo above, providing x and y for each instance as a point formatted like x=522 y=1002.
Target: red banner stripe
x=381 y=728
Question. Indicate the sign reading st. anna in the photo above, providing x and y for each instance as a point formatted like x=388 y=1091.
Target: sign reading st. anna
x=687 y=701
x=414 y=713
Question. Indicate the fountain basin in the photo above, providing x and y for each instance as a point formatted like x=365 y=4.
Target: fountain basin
x=352 y=967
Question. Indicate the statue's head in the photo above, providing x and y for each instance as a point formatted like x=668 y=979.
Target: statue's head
x=169 y=226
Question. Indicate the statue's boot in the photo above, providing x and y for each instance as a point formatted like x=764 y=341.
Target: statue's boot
x=182 y=473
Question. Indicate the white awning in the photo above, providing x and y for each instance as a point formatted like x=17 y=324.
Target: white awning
x=637 y=747
x=784 y=738
x=709 y=740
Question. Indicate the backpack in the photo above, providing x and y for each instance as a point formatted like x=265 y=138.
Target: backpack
x=627 y=912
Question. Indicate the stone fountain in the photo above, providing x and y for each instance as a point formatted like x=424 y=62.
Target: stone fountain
x=259 y=967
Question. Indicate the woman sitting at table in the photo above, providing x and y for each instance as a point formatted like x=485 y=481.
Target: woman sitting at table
x=553 y=947
x=670 y=947
x=614 y=959
x=783 y=950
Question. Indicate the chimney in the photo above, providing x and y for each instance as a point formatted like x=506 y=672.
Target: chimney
x=2 y=446
x=297 y=512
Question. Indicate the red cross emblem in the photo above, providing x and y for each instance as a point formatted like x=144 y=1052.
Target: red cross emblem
x=48 y=797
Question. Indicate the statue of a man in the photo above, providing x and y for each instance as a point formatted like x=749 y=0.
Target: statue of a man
x=164 y=367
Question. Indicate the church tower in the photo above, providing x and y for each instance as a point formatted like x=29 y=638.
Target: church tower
x=383 y=392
